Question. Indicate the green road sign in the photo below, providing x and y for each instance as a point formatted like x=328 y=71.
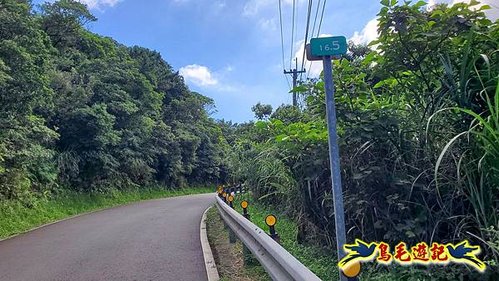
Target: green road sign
x=328 y=46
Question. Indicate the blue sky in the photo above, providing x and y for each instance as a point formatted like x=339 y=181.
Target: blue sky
x=229 y=50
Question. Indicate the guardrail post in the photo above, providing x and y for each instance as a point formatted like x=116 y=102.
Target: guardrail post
x=224 y=197
x=247 y=256
x=244 y=205
x=271 y=220
x=220 y=192
x=279 y=263
x=232 y=235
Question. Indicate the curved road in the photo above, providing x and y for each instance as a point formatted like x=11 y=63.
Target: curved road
x=150 y=240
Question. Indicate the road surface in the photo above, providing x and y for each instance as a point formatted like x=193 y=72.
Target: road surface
x=151 y=240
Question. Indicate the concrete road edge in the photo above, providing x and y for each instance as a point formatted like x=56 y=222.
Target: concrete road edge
x=209 y=261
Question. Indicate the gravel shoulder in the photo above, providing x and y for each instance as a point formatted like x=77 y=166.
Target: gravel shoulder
x=229 y=257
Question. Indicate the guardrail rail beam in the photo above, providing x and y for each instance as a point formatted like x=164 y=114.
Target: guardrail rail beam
x=278 y=262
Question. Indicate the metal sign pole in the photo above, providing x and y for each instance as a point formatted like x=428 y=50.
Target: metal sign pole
x=334 y=160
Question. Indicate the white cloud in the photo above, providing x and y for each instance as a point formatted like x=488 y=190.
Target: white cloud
x=368 y=33
x=492 y=13
x=198 y=74
x=201 y=76
x=220 y=4
x=215 y=5
x=370 y=30
x=182 y=1
x=97 y=4
x=431 y=2
x=253 y=7
x=268 y=24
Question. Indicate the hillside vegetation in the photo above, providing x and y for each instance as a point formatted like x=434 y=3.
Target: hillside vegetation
x=81 y=112
x=418 y=123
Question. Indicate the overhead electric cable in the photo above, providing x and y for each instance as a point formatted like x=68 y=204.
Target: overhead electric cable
x=282 y=41
x=292 y=34
x=306 y=36
x=316 y=14
x=313 y=31
x=322 y=16
x=319 y=28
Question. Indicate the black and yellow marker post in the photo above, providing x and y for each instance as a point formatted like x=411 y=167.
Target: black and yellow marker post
x=248 y=258
x=244 y=205
x=271 y=221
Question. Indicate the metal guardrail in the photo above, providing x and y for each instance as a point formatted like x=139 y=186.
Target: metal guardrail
x=278 y=262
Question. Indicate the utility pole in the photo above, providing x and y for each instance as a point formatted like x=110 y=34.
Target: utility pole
x=294 y=73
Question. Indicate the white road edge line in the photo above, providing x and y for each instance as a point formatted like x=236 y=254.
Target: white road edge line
x=209 y=261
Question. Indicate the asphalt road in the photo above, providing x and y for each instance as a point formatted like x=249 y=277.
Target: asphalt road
x=151 y=240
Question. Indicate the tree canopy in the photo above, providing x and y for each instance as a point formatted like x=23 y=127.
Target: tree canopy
x=81 y=111
x=418 y=135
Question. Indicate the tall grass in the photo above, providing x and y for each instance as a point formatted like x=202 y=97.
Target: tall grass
x=478 y=167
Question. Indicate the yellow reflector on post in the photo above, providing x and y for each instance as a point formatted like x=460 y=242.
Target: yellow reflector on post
x=270 y=220
x=244 y=204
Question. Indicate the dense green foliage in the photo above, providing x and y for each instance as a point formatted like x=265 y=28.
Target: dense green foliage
x=80 y=111
x=418 y=125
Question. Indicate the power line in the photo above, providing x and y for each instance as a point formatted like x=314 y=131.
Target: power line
x=282 y=41
x=306 y=36
x=313 y=30
x=317 y=7
x=294 y=72
x=319 y=28
x=289 y=83
x=316 y=14
x=293 y=24
x=322 y=16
